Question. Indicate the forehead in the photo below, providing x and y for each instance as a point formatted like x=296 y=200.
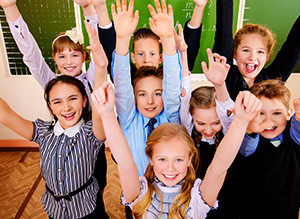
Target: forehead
x=174 y=147
x=206 y=115
x=272 y=104
x=254 y=40
x=149 y=83
x=62 y=90
x=146 y=44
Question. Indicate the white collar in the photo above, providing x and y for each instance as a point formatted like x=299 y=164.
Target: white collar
x=70 y=132
x=211 y=141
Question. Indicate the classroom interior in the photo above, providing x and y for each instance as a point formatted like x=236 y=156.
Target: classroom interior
x=21 y=185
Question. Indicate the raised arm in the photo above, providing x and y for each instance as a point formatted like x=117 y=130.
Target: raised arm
x=161 y=23
x=228 y=148
x=100 y=75
x=192 y=32
x=125 y=24
x=32 y=55
x=87 y=7
x=15 y=122
x=217 y=73
x=104 y=100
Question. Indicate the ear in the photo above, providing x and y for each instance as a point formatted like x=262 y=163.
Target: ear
x=190 y=161
x=132 y=56
x=268 y=56
x=150 y=161
x=234 y=55
x=84 y=102
x=84 y=56
x=160 y=58
x=289 y=114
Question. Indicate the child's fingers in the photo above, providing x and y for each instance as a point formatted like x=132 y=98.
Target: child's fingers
x=131 y=6
x=136 y=17
x=170 y=10
x=157 y=6
x=204 y=67
x=113 y=11
x=164 y=6
x=180 y=30
x=124 y=5
x=118 y=6
x=223 y=59
x=209 y=55
x=216 y=57
x=151 y=10
x=110 y=93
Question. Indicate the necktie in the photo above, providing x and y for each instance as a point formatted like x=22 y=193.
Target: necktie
x=150 y=124
x=276 y=143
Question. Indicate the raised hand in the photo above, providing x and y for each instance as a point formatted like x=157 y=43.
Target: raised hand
x=103 y=99
x=125 y=21
x=179 y=39
x=161 y=21
x=246 y=106
x=96 y=48
x=218 y=69
x=83 y=3
x=296 y=103
x=98 y=3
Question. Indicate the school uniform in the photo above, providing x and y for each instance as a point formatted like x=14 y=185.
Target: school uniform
x=267 y=183
x=197 y=207
x=67 y=164
x=281 y=67
x=132 y=122
x=42 y=73
x=107 y=37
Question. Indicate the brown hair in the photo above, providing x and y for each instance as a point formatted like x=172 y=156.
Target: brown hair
x=272 y=89
x=249 y=28
x=162 y=133
x=145 y=33
x=204 y=98
x=65 y=79
x=146 y=71
x=61 y=42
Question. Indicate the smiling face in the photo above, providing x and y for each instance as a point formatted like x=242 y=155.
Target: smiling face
x=251 y=56
x=170 y=161
x=148 y=96
x=146 y=53
x=274 y=115
x=69 y=62
x=66 y=103
x=207 y=122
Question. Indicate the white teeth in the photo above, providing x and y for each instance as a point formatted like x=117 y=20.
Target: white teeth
x=170 y=176
x=66 y=116
x=70 y=68
x=270 y=128
x=150 y=109
x=251 y=65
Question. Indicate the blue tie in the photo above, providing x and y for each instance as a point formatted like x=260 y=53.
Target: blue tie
x=150 y=124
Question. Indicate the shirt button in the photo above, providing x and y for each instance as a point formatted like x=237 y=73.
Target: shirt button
x=16 y=26
x=59 y=170
x=60 y=183
x=59 y=155
x=88 y=20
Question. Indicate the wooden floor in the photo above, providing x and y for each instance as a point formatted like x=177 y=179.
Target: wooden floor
x=21 y=187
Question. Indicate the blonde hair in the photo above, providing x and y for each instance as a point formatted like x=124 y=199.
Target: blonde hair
x=162 y=133
x=249 y=28
x=62 y=41
x=272 y=89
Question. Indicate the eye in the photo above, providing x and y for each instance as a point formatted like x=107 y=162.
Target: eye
x=55 y=102
x=200 y=123
x=217 y=123
x=140 y=54
x=261 y=113
x=152 y=54
x=261 y=52
x=179 y=160
x=162 y=159
x=73 y=98
x=142 y=95
x=75 y=55
x=61 y=56
x=277 y=113
x=157 y=94
x=245 y=50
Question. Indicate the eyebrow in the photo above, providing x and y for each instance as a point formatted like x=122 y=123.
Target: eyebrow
x=243 y=47
x=55 y=99
x=146 y=91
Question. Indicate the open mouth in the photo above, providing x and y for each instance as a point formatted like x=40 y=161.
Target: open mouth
x=250 y=67
x=170 y=177
x=69 y=116
x=270 y=129
x=150 y=109
x=208 y=135
x=70 y=68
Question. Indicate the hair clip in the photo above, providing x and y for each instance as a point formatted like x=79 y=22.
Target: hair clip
x=73 y=34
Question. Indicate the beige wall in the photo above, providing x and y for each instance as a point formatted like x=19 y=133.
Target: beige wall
x=25 y=95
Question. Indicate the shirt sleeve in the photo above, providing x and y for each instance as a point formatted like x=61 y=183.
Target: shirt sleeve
x=32 y=55
x=198 y=207
x=185 y=116
x=125 y=101
x=144 y=189
x=172 y=86
x=224 y=113
x=90 y=73
x=249 y=145
x=295 y=129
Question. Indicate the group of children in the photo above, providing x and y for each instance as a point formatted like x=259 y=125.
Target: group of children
x=238 y=141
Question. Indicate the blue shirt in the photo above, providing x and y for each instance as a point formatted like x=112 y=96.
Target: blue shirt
x=250 y=144
x=132 y=122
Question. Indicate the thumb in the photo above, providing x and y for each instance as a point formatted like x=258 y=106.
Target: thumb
x=204 y=67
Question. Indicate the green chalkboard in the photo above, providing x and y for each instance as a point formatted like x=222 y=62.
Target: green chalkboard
x=182 y=10
x=45 y=19
x=278 y=15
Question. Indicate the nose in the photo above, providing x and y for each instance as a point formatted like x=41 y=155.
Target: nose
x=147 y=58
x=69 y=60
x=253 y=56
x=66 y=106
x=171 y=166
x=150 y=99
x=268 y=122
x=209 y=130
